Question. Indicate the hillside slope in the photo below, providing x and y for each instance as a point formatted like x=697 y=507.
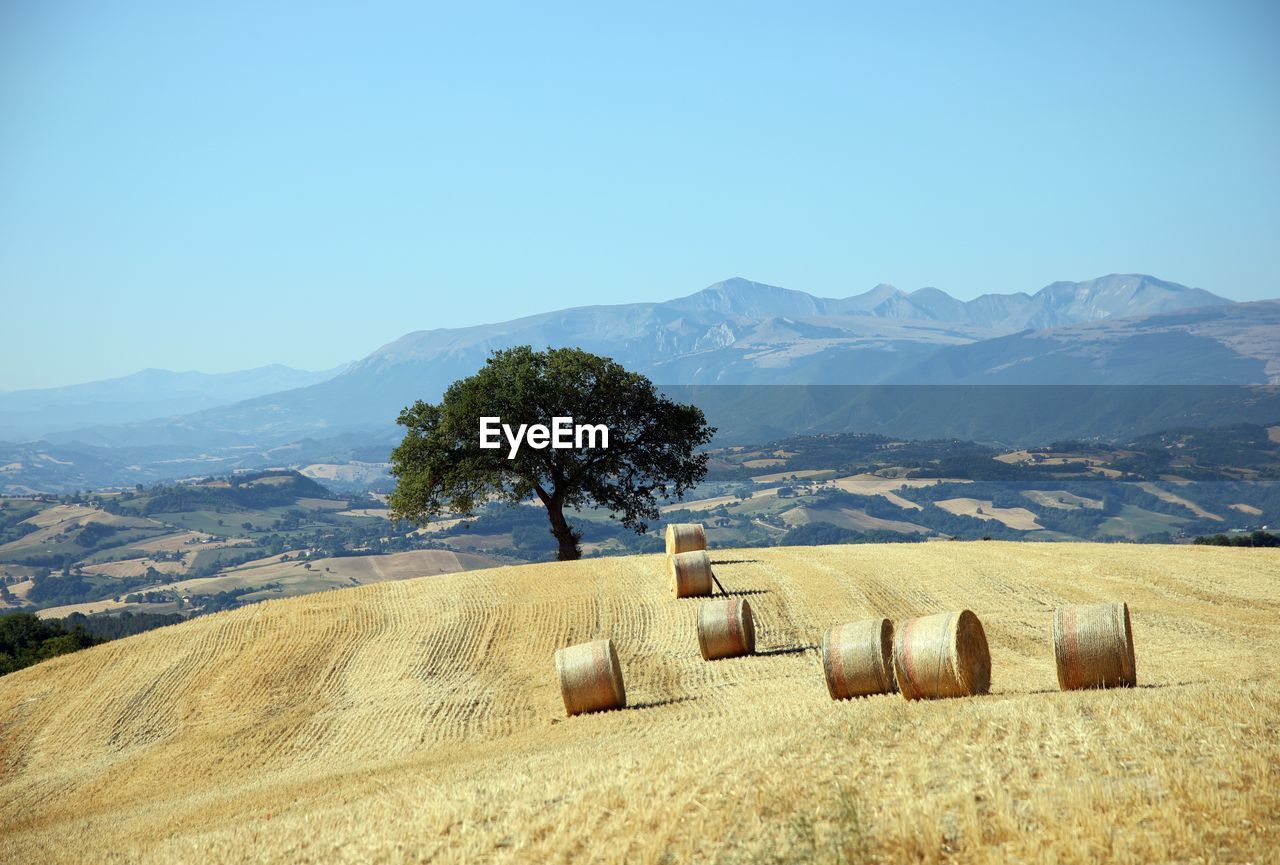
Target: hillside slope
x=422 y=720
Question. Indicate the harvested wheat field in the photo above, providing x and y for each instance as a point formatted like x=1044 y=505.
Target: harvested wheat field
x=422 y=721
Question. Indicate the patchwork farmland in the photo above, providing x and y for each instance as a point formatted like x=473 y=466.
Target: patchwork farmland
x=421 y=720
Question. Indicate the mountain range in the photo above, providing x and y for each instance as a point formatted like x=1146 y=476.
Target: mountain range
x=1057 y=304
x=1117 y=329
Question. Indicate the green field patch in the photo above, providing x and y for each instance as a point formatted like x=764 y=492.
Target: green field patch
x=225 y=557
x=1135 y=522
x=762 y=504
x=74 y=542
x=231 y=524
x=270 y=481
x=18 y=510
x=323 y=504
x=115 y=554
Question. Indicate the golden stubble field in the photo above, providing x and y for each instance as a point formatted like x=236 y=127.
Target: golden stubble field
x=421 y=721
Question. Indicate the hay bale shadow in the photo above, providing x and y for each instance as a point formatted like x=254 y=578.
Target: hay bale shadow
x=735 y=561
x=1120 y=688
x=789 y=650
x=1173 y=684
x=653 y=704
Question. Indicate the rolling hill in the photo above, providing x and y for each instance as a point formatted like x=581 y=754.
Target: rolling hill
x=421 y=720
x=196 y=548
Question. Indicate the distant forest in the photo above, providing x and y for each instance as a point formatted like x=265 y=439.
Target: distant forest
x=25 y=639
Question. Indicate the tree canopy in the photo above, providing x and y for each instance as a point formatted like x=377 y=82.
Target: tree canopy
x=653 y=444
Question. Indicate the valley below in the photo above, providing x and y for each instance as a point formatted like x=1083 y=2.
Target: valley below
x=215 y=543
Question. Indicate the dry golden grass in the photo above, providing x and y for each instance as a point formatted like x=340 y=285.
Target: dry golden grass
x=1246 y=509
x=297 y=577
x=137 y=567
x=874 y=485
x=61 y=514
x=87 y=608
x=61 y=519
x=717 y=501
x=324 y=504
x=799 y=474
x=182 y=541
x=345 y=472
x=421 y=720
x=699 y=504
x=1015 y=518
x=850 y=518
x=1166 y=496
x=1063 y=500
x=383 y=513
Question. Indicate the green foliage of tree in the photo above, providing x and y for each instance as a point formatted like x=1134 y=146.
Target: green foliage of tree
x=25 y=640
x=113 y=627
x=652 y=453
x=13 y=525
x=93 y=534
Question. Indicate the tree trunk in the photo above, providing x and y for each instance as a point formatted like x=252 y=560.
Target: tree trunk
x=563 y=533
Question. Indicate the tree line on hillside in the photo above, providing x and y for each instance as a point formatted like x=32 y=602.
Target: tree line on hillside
x=25 y=639
x=237 y=491
x=1253 y=539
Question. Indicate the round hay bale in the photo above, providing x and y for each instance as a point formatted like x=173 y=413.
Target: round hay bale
x=590 y=678
x=726 y=629
x=943 y=655
x=1093 y=645
x=685 y=537
x=857 y=659
x=690 y=574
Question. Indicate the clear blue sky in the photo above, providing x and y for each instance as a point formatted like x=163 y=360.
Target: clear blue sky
x=218 y=186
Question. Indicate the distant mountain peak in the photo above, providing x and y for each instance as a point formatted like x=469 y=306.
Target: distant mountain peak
x=738 y=296
x=883 y=291
x=929 y=291
x=1116 y=295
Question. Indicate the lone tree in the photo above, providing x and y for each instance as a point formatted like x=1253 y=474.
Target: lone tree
x=652 y=443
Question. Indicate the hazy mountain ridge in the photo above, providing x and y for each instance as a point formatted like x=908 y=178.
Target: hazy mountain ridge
x=1220 y=345
x=740 y=332
x=735 y=332
x=1057 y=304
x=143 y=395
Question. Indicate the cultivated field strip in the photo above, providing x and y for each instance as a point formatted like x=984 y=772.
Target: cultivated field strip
x=422 y=720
